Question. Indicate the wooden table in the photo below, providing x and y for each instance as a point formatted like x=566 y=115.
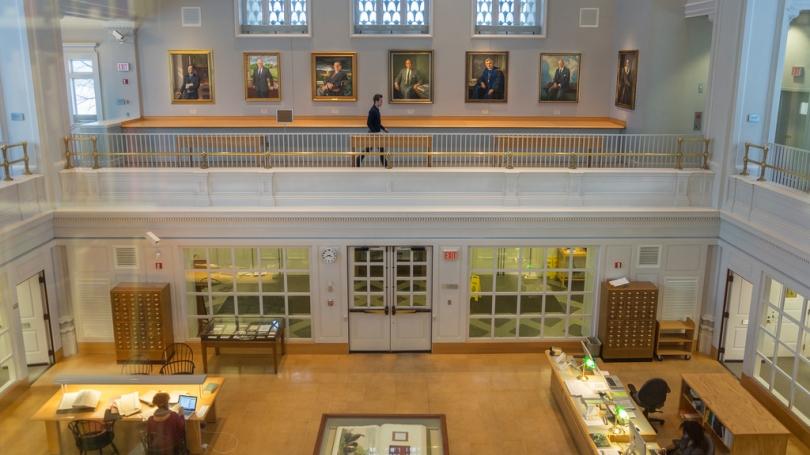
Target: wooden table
x=47 y=413
x=572 y=410
x=232 y=341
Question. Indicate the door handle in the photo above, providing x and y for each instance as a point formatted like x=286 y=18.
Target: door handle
x=386 y=310
x=407 y=311
x=393 y=310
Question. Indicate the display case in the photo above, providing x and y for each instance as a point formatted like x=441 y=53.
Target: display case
x=401 y=434
x=253 y=332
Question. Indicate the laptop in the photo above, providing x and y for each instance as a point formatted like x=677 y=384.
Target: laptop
x=189 y=404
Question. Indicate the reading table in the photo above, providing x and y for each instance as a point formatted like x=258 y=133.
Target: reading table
x=128 y=384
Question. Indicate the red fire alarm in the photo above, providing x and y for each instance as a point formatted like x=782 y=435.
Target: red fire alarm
x=617 y=265
x=159 y=265
x=126 y=81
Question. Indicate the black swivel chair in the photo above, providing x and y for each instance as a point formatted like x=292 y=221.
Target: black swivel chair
x=651 y=397
x=92 y=435
x=137 y=364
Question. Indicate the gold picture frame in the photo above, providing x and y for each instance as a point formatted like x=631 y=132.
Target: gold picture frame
x=197 y=88
x=564 y=89
x=410 y=85
x=626 y=78
x=334 y=76
x=253 y=78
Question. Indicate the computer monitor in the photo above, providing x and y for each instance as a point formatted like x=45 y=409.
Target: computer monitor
x=637 y=444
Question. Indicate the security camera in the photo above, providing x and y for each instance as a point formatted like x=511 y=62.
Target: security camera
x=152 y=237
x=118 y=36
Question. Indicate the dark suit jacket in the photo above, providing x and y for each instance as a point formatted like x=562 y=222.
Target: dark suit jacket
x=262 y=79
x=191 y=93
x=407 y=89
x=562 y=77
x=337 y=80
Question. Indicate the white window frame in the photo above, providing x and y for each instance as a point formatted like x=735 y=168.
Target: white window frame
x=510 y=31
x=3 y=126
x=83 y=51
x=264 y=31
x=391 y=31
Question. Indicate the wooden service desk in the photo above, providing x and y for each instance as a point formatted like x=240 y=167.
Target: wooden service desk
x=47 y=413
x=573 y=409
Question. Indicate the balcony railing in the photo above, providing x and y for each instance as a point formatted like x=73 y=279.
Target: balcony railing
x=780 y=164
x=8 y=164
x=341 y=150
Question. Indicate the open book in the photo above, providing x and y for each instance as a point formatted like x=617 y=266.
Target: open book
x=83 y=400
x=390 y=438
x=128 y=404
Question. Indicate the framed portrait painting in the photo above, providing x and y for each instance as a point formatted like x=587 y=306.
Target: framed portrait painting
x=486 y=73
x=191 y=77
x=559 y=78
x=262 y=73
x=410 y=75
x=626 y=79
x=334 y=76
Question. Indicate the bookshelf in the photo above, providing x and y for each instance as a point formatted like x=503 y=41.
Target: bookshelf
x=737 y=422
x=674 y=338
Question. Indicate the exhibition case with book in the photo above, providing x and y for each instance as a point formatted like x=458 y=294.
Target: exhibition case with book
x=252 y=332
x=393 y=434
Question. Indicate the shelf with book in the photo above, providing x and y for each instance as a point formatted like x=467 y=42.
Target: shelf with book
x=738 y=424
x=674 y=338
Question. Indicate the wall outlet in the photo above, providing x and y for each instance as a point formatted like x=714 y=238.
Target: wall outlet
x=485 y=111
x=264 y=111
x=192 y=111
x=411 y=111
x=336 y=111
x=556 y=112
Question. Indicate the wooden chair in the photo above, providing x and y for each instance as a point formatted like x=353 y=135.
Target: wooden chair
x=177 y=351
x=137 y=364
x=92 y=435
x=178 y=367
x=158 y=444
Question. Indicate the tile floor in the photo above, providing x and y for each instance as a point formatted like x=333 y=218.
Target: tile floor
x=495 y=404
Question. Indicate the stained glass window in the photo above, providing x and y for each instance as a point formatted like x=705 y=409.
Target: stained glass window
x=395 y=17
x=510 y=17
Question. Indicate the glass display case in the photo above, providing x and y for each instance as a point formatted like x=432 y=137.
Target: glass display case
x=243 y=328
x=243 y=332
x=394 y=434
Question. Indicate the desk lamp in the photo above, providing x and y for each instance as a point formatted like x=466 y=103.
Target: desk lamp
x=587 y=364
x=619 y=419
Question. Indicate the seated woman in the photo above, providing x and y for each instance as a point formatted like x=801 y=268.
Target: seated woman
x=692 y=442
x=166 y=423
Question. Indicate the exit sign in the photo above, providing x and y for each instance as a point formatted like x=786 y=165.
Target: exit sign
x=123 y=67
x=450 y=255
x=797 y=71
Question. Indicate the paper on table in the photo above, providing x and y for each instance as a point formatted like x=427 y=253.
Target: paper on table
x=597 y=385
x=578 y=388
x=593 y=421
x=609 y=452
x=148 y=396
x=619 y=282
x=174 y=395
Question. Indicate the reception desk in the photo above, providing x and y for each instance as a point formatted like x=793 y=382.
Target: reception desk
x=573 y=409
x=53 y=419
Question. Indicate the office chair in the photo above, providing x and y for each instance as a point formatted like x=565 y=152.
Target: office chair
x=92 y=435
x=158 y=444
x=137 y=364
x=709 y=443
x=177 y=351
x=651 y=397
x=178 y=367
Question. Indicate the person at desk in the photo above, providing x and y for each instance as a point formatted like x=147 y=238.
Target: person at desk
x=166 y=422
x=693 y=441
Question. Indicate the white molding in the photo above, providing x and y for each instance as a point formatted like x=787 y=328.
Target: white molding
x=697 y=8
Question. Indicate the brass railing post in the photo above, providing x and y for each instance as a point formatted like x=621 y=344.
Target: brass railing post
x=6 y=164
x=745 y=159
x=204 y=160
x=67 y=153
x=509 y=157
x=573 y=163
x=763 y=165
x=267 y=160
x=706 y=154
x=95 y=153
x=388 y=160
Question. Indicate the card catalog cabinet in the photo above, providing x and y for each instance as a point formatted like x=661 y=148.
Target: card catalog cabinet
x=627 y=320
x=142 y=319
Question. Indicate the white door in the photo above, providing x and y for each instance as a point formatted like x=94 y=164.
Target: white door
x=738 y=308
x=390 y=307
x=32 y=316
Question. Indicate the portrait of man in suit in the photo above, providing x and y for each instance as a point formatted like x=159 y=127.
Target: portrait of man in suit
x=486 y=76
x=410 y=73
x=626 y=79
x=333 y=76
x=191 y=77
x=559 y=78
x=262 y=73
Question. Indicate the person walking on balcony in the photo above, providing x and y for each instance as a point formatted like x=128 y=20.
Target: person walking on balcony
x=375 y=125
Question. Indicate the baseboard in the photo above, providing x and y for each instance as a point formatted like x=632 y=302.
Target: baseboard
x=796 y=426
x=96 y=348
x=58 y=356
x=14 y=392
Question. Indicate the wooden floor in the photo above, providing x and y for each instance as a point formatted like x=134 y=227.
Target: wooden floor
x=494 y=403
x=356 y=121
